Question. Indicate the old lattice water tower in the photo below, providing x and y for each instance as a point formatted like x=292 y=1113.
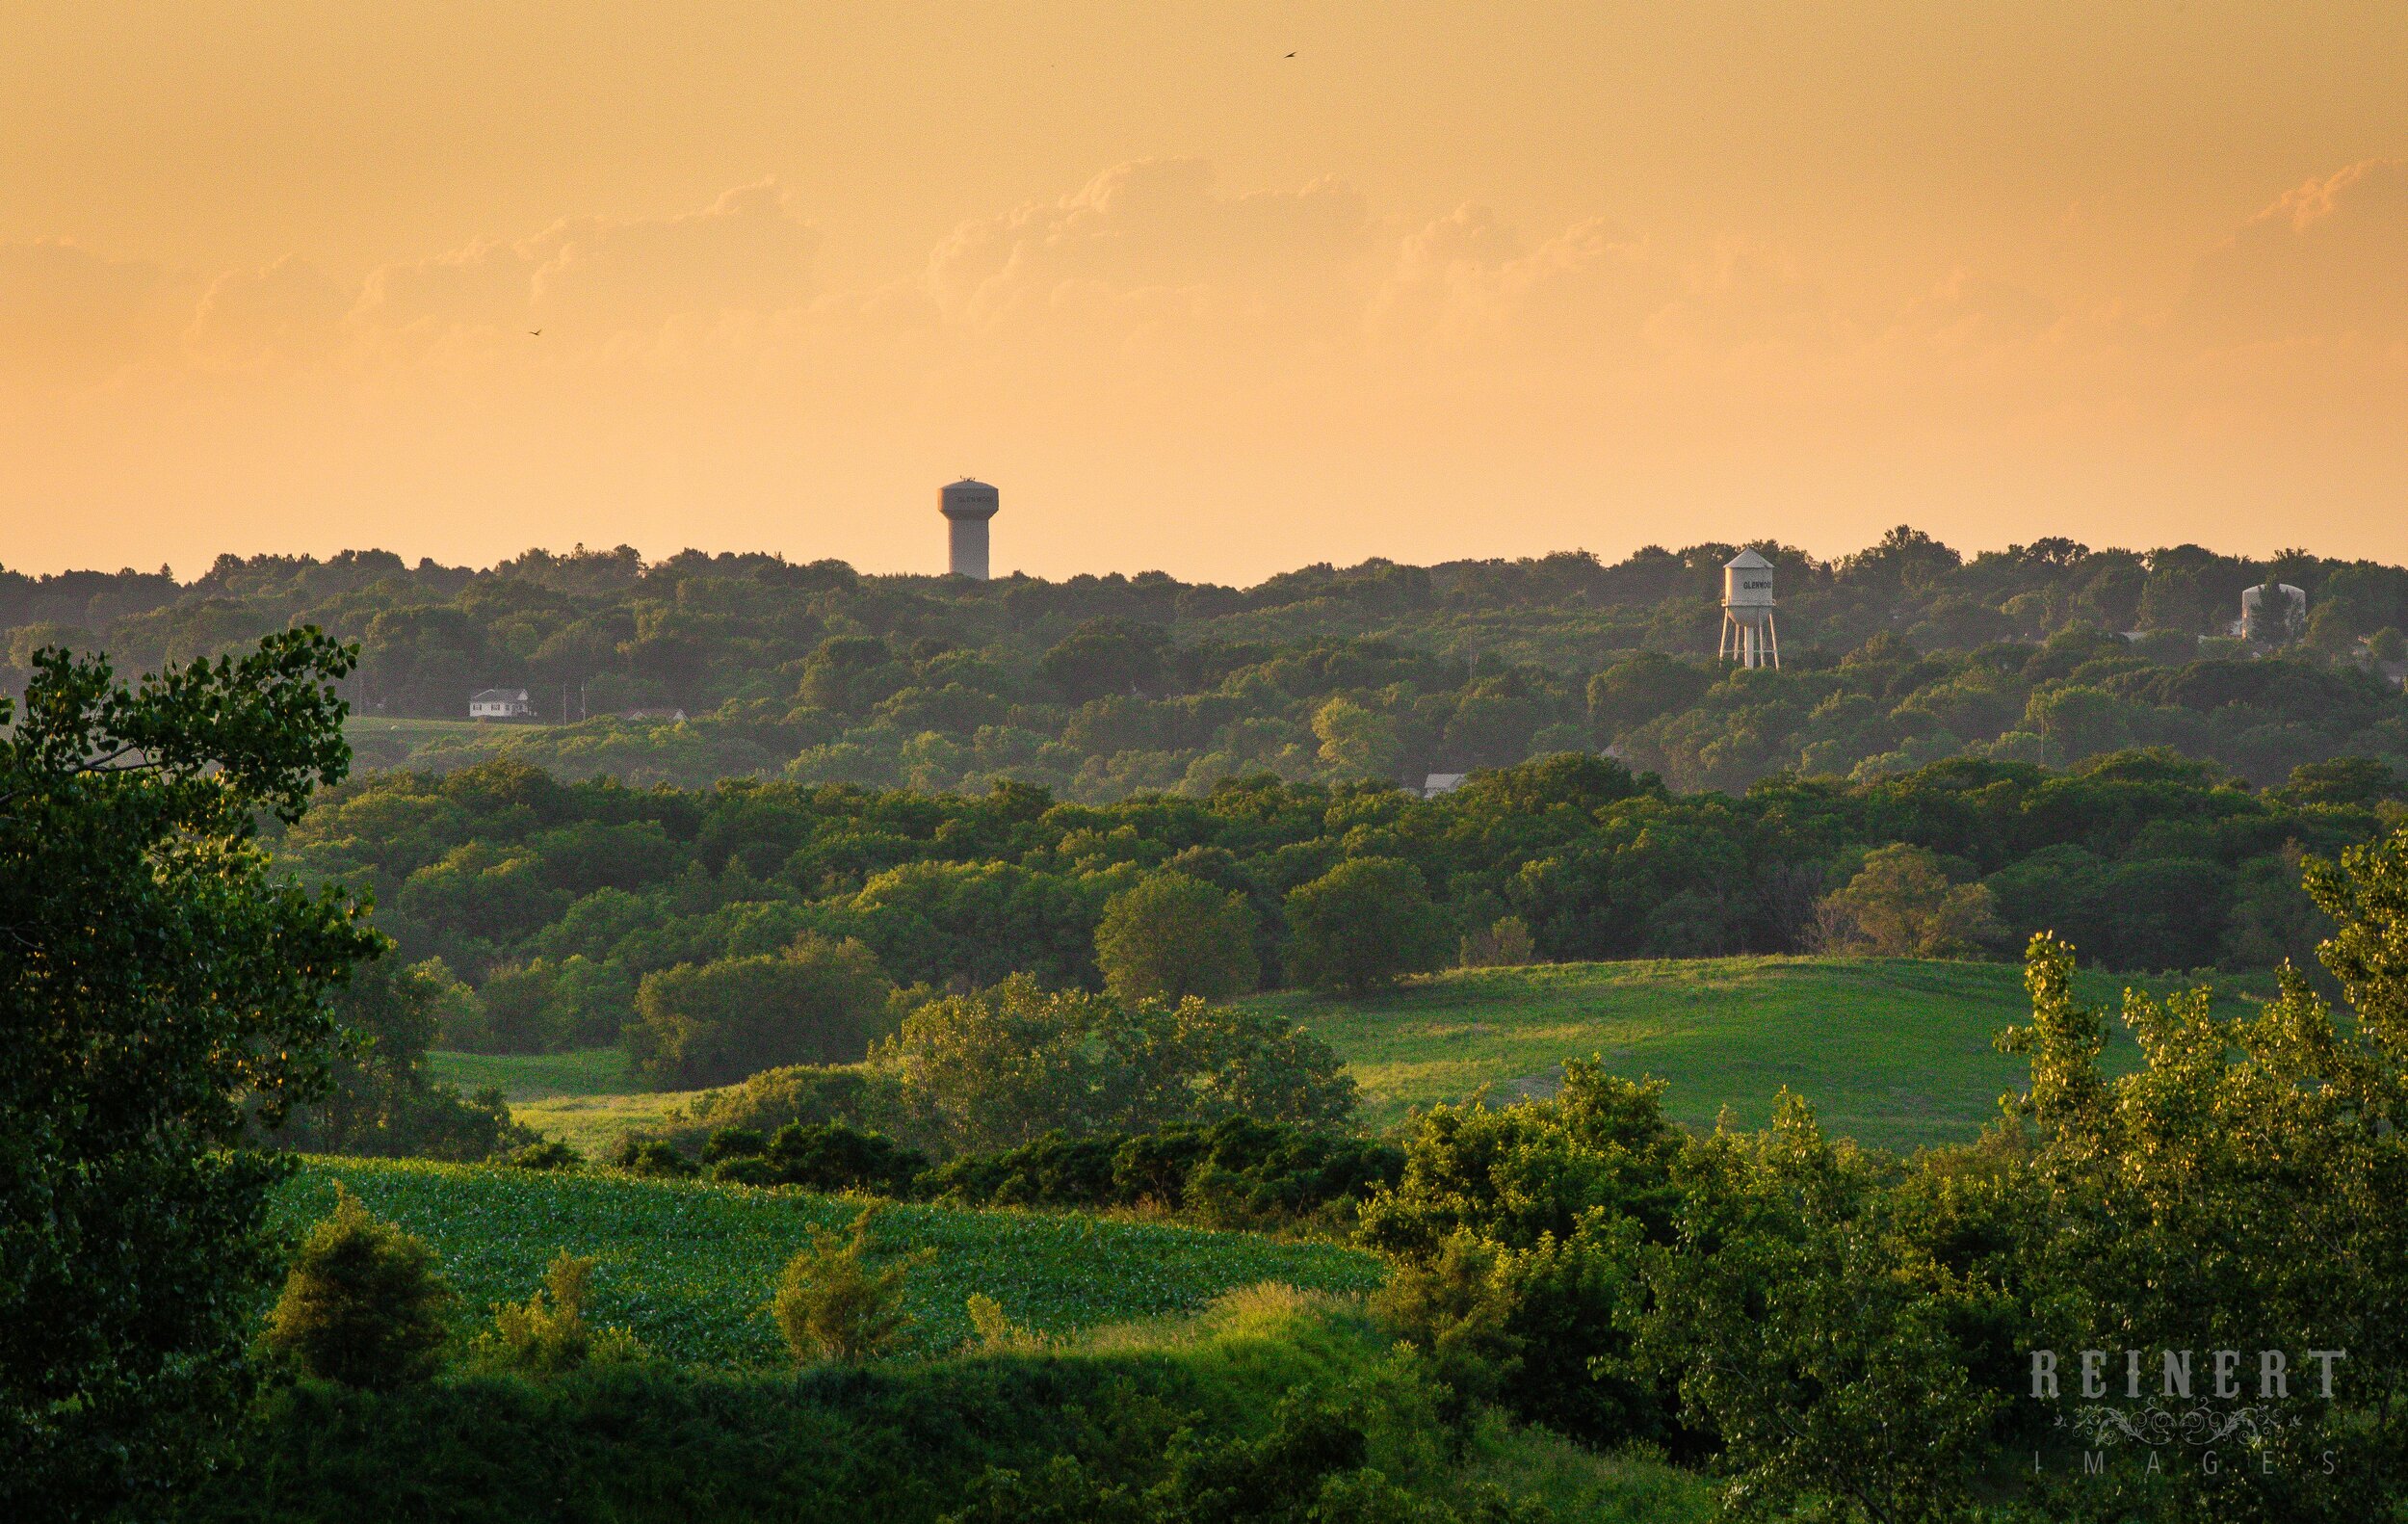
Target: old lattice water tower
x=1748 y=637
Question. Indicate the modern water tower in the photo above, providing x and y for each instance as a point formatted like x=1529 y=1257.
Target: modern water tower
x=1748 y=637
x=967 y=506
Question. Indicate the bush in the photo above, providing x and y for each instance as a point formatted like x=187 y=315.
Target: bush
x=1172 y=937
x=362 y=1304
x=549 y=1154
x=818 y=1002
x=1505 y=944
x=1237 y=1172
x=546 y=1334
x=866 y=1097
x=1361 y=925
x=651 y=1157
x=831 y=1306
x=828 y=1156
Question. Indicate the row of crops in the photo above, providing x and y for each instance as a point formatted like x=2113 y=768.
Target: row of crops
x=690 y=1267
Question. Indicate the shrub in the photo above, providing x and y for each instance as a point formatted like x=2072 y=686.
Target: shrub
x=1172 y=937
x=549 y=1154
x=818 y=1002
x=1362 y=924
x=546 y=1334
x=734 y=1143
x=1505 y=944
x=1239 y=1172
x=834 y=1157
x=998 y=1334
x=362 y=1304
x=830 y=1305
x=799 y=1092
x=651 y=1157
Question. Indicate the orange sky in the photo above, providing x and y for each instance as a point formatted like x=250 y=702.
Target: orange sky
x=1454 y=280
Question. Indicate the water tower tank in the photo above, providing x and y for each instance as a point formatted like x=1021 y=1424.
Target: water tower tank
x=967 y=505
x=2273 y=612
x=1748 y=636
x=1747 y=582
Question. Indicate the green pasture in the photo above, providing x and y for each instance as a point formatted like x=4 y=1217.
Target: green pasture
x=586 y=1099
x=1895 y=1051
x=690 y=1267
x=1891 y=1051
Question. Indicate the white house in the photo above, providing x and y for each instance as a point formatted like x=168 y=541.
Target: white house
x=1441 y=783
x=500 y=704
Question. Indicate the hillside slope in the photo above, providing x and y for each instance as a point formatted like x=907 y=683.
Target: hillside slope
x=1892 y=1051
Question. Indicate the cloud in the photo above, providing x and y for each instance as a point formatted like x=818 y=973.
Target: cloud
x=2327 y=260
x=1154 y=229
x=68 y=315
x=1467 y=282
x=289 y=311
x=586 y=280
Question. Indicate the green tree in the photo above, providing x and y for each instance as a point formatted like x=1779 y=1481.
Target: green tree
x=1361 y=925
x=1358 y=741
x=1170 y=936
x=1901 y=905
x=999 y=1069
x=818 y=1002
x=159 y=986
x=1517 y=1234
x=362 y=1303
x=382 y=1099
x=831 y=1305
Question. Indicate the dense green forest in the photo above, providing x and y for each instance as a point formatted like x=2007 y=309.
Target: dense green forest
x=571 y=908
x=1098 y=686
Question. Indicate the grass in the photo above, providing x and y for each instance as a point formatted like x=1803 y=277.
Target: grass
x=586 y=1099
x=689 y=1266
x=1892 y=1051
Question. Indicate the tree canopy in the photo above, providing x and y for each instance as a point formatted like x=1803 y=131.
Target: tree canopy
x=160 y=989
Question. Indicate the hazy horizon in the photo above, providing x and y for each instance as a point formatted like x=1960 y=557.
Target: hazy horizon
x=1443 y=287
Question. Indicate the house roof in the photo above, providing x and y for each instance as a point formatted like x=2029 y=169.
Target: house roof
x=495 y=695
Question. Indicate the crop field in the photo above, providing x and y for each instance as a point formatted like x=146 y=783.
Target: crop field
x=1891 y=1051
x=690 y=1267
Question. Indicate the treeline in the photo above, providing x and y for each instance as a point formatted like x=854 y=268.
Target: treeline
x=1097 y=687
x=565 y=915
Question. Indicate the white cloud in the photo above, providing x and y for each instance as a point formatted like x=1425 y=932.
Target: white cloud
x=2328 y=260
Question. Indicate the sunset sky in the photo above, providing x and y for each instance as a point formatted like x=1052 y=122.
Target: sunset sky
x=1454 y=280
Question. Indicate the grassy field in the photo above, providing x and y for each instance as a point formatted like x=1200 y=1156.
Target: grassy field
x=585 y=1099
x=690 y=1267
x=1891 y=1051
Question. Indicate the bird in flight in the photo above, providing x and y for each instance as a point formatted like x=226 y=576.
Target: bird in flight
x=1292 y=55
x=535 y=333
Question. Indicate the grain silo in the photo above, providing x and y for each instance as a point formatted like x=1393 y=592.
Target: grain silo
x=1748 y=637
x=967 y=505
